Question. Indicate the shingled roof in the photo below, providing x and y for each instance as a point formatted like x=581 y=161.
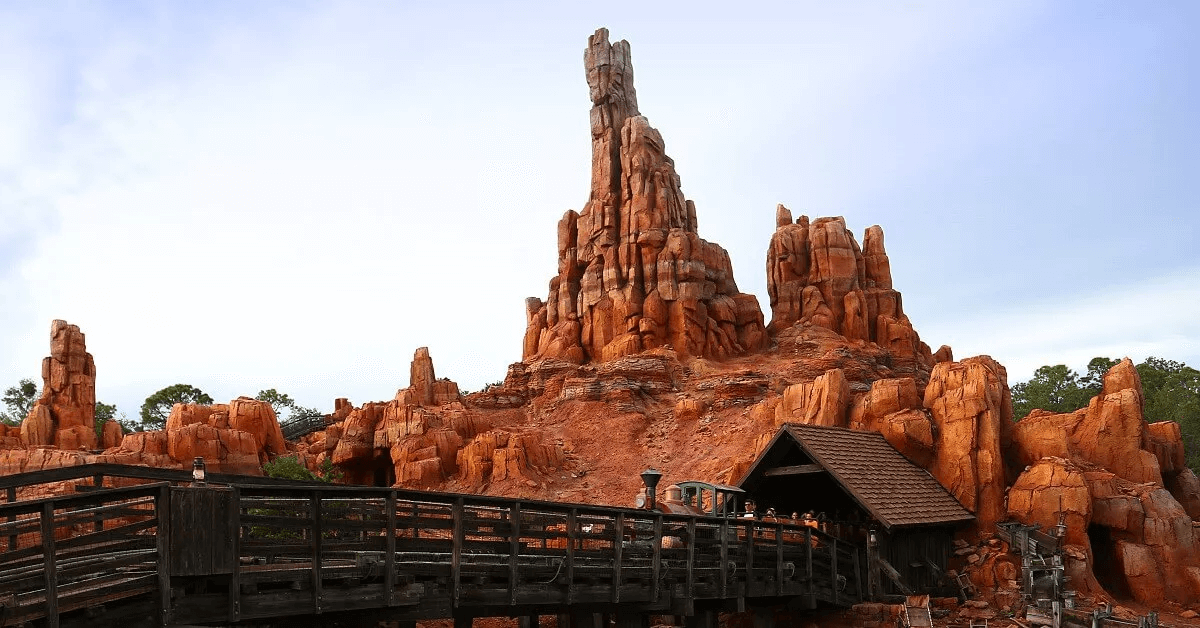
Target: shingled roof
x=895 y=491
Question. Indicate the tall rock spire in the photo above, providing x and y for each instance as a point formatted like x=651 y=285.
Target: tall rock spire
x=632 y=272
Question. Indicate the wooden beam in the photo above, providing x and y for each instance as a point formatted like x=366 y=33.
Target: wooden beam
x=796 y=469
x=51 y=575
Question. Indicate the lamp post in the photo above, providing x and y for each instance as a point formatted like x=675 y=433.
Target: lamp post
x=650 y=478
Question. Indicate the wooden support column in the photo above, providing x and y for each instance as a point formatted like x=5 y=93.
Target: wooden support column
x=461 y=621
x=833 y=567
x=572 y=540
x=49 y=565
x=858 y=587
x=764 y=617
x=389 y=556
x=749 y=558
x=529 y=621
x=705 y=618
x=317 y=533
x=584 y=619
x=456 y=550
x=632 y=620
x=618 y=547
x=690 y=599
x=778 y=559
x=514 y=550
x=162 y=534
x=724 y=557
x=235 y=577
x=656 y=558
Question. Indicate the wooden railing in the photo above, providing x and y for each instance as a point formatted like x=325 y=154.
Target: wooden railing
x=77 y=551
x=245 y=551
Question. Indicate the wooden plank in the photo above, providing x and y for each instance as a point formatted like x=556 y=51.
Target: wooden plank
x=724 y=531
x=317 y=533
x=778 y=559
x=808 y=560
x=456 y=553
x=796 y=469
x=857 y=576
x=389 y=557
x=833 y=568
x=514 y=550
x=690 y=591
x=749 y=555
x=50 y=565
x=234 y=512
x=572 y=540
x=656 y=558
x=618 y=547
x=162 y=515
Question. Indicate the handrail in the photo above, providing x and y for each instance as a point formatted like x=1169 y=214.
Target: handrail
x=31 y=506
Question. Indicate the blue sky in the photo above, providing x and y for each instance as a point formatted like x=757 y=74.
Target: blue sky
x=297 y=195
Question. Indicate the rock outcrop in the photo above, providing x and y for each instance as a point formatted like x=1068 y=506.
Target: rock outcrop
x=633 y=274
x=65 y=415
x=971 y=408
x=817 y=274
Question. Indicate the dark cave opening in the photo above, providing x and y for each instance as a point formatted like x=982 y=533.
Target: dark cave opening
x=1104 y=561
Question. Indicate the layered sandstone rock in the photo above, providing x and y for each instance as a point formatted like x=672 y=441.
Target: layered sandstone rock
x=817 y=274
x=823 y=401
x=633 y=273
x=972 y=411
x=65 y=414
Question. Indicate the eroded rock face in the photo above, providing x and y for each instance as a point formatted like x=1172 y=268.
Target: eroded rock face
x=633 y=273
x=823 y=401
x=65 y=414
x=972 y=410
x=817 y=274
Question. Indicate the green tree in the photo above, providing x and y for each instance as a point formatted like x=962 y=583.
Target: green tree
x=19 y=400
x=1053 y=388
x=158 y=406
x=104 y=413
x=279 y=401
x=289 y=467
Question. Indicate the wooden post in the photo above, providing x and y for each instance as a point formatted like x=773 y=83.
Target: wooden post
x=528 y=621
x=689 y=601
x=618 y=547
x=389 y=557
x=97 y=519
x=456 y=549
x=12 y=497
x=749 y=557
x=833 y=567
x=315 y=502
x=808 y=564
x=162 y=533
x=724 y=557
x=50 y=566
x=514 y=550
x=656 y=558
x=778 y=559
x=572 y=540
x=463 y=622
x=858 y=588
x=235 y=579
x=874 y=586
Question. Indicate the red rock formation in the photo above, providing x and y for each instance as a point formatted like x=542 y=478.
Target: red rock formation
x=972 y=411
x=823 y=401
x=633 y=274
x=65 y=415
x=817 y=274
x=424 y=388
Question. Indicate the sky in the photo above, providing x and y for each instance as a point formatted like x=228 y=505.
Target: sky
x=291 y=195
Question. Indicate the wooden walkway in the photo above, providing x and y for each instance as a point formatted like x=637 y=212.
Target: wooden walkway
x=163 y=552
